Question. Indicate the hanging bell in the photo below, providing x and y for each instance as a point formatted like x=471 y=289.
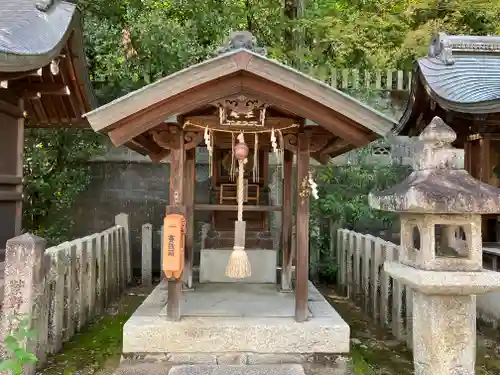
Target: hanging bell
x=241 y=149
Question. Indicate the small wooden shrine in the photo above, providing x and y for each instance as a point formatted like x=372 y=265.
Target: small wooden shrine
x=459 y=81
x=241 y=106
x=44 y=82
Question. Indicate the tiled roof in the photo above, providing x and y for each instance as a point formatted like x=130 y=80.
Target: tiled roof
x=32 y=32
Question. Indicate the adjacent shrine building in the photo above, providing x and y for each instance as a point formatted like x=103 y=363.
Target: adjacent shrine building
x=44 y=82
x=459 y=81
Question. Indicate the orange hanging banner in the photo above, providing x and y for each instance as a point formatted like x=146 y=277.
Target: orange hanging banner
x=174 y=227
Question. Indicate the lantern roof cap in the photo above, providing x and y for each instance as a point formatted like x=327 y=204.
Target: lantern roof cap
x=438 y=183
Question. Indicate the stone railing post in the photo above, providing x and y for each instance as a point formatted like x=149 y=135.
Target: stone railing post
x=444 y=280
x=24 y=276
x=123 y=221
x=147 y=250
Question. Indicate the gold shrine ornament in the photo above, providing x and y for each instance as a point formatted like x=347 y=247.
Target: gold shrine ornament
x=242 y=112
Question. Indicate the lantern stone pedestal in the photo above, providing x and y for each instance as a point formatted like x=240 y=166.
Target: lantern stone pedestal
x=444 y=316
x=444 y=276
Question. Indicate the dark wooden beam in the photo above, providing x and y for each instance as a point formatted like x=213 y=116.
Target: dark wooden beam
x=10 y=196
x=148 y=144
x=214 y=121
x=265 y=177
x=333 y=145
x=45 y=88
x=302 y=231
x=10 y=179
x=74 y=123
x=68 y=70
x=286 y=224
x=189 y=189
x=10 y=109
x=11 y=165
x=137 y=147
x=176 y=205
x=467 y=156
x=485 y=147
x=234 y=207
x=7 y=76
x=158 y=157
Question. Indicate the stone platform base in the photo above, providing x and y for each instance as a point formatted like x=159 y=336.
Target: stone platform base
x=293 y=369
x=235 y=324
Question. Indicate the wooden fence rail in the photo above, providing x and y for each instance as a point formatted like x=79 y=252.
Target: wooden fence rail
x=378 y=80
x=360 y=276
x=64 y=287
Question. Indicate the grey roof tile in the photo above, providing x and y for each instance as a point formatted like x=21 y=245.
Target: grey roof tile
x=29 y=36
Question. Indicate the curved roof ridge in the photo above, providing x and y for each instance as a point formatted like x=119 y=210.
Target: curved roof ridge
x=31 y=37
x=444 y=46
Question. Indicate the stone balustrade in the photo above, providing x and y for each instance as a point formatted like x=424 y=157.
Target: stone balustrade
x=360 y=258
x=62 y=288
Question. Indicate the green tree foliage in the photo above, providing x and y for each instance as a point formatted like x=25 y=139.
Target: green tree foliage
x=165 y=37
x=56 y=171
x=343 y=202
x=389 y=33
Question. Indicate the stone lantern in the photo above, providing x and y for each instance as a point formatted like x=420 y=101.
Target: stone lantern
x=444 y=280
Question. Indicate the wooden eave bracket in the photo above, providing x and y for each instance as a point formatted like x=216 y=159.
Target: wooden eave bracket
x=39 y=88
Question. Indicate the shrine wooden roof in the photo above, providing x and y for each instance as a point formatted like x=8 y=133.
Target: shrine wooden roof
x=42 y=60
x=290 y=95
x=460 y=77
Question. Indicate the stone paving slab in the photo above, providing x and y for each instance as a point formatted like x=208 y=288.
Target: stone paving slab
x=237 y=370
x=246 y=300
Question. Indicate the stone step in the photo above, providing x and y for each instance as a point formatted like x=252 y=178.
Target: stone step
x=159 y=369
x=237 y=370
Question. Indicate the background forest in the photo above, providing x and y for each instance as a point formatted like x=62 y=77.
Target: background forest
x=130 y=43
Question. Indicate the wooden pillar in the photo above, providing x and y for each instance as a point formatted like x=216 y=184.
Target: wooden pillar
x=484 y=176
x=177 y=158
x=485 y=159
x=286 y=224
x=265 y=166
x=467 y=156
x=265 y=179
x=302 y=231
x=189 y=189
x=11 y=166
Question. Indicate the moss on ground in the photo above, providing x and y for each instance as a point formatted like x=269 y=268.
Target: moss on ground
x=375 y=351
x=98 y=347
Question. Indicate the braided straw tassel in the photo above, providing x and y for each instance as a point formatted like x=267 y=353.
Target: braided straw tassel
x=238 y=266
